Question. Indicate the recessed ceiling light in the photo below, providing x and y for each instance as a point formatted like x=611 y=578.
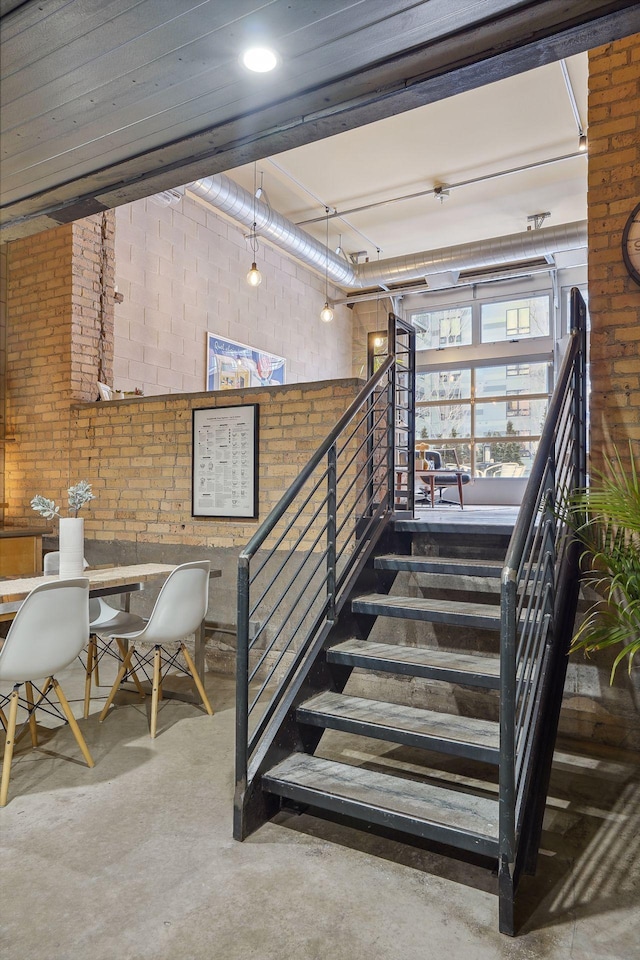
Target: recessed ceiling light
x=259 y=59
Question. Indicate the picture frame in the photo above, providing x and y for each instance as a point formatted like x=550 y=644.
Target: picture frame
x=235 y=366
x=225 y=462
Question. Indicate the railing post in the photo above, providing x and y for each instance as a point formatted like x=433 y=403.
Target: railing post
x=507 y=773
x=578 y=313
x=332 y=482
x=391 y=439
x=242 y=675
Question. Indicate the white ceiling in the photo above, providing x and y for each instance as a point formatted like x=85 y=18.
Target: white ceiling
x=512 y=123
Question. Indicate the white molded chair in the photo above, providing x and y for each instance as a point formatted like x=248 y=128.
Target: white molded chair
x=104 y=620
x=178 y=612
x=47 y=634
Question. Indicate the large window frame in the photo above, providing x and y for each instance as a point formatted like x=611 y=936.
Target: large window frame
x=512 y=353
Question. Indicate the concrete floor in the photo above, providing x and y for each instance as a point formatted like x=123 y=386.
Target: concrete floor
x=134 y=860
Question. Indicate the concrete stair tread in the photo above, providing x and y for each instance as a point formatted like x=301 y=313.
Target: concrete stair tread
x=455 y=613
x=448 y=733
x=462 y=819
x=418 y=661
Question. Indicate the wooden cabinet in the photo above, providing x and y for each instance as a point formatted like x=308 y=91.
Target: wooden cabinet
x=20 y=552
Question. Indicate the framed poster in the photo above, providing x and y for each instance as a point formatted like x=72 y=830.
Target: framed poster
x=232 y=366
x=225 y=462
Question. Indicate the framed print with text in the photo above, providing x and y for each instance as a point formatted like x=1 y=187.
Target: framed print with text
x=225 y=462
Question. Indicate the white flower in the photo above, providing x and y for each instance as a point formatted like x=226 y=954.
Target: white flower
x=78 y=496
x=45 y=507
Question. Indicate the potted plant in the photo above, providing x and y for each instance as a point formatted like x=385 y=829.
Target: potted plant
x=606 y=517
x=71 y=531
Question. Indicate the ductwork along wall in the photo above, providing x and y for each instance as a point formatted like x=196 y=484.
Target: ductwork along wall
x=230 y=198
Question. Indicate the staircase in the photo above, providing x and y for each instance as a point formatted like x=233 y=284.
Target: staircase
x=360 y=604
x=461 y=817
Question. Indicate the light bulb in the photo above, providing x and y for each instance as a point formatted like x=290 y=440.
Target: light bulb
x=254 y=277
x=326 y=314
x=259 y=59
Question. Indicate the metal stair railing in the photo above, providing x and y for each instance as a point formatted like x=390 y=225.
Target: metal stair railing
x=296 y=571
x=538 y=589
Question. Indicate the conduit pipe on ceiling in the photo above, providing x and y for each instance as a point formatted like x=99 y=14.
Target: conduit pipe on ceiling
x=230 y=198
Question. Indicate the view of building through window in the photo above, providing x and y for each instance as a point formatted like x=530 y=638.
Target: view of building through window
x=485 y=416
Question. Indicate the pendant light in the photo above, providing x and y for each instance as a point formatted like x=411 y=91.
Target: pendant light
x=326 y=314
x=254 y=277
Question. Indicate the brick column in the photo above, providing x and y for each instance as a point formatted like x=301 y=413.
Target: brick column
x=614 y=298
x=59 y=338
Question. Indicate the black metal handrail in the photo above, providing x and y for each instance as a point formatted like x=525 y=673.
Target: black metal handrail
x=535 y=580
x=295 y=570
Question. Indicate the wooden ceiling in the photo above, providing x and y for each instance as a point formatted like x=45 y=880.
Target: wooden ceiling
x=106 y=101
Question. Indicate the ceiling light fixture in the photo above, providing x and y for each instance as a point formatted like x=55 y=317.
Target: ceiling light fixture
x=254 y=277
x=582 y=143
x=326 y=314
x=442 y=192
x=260 y=59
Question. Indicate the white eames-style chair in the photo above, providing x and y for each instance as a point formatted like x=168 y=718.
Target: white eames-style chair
x=47 y=634
x=104 y=620
x=178 y=612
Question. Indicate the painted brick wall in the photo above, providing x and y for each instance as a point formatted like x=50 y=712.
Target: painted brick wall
x=182 y=271
x=614 y=298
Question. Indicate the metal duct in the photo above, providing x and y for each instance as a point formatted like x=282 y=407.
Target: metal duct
x=469 y=256
x=230 y=198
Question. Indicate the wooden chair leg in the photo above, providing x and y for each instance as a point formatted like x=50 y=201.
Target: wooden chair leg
x=3 y=719
x=8 y=746
x=114 y=689
x=73 y=723
x=92 y=663
x=157 y=664
x=33 y=726
x=196 y=679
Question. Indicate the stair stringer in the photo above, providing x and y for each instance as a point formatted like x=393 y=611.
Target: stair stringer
x=285 y=735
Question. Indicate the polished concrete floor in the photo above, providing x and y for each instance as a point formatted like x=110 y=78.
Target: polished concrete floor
x=134 y=860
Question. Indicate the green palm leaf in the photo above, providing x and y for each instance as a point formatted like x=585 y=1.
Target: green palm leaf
x=606 y=518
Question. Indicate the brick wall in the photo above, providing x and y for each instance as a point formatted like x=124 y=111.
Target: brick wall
x=614 y=298
x=182 y=272
x=59 y=323
x=3 y=366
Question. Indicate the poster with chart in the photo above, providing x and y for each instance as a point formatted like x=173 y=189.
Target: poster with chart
x=225 y=469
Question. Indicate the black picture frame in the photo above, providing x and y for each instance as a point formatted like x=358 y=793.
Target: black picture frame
x=224 y=462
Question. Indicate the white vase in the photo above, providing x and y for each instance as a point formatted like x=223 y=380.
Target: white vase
x=71 y=547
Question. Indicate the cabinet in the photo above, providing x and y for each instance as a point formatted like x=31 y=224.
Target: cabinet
x=20 y=551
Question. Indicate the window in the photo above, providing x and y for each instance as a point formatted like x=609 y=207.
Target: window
x=514 y=319
x=487 y=411
x=436 y=329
